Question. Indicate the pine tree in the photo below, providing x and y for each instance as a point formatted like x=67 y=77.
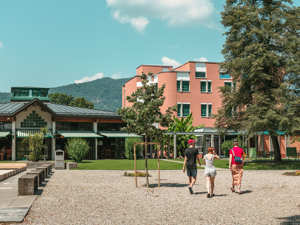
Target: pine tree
x=145 y=112
x=262 y=56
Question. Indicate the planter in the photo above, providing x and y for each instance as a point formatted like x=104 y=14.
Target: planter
x=296 y=173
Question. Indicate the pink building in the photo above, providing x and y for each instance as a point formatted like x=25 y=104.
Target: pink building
x=193 y=86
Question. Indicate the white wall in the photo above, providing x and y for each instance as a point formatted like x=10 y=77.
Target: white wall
x=47 y=117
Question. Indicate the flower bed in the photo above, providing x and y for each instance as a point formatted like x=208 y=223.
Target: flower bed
x=296 y=173
x=138 y=174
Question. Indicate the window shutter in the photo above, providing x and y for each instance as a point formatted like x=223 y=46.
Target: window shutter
x=203 y=110
x=179 y=110
x=203 y=86
x=185 y=86
x=186 y=109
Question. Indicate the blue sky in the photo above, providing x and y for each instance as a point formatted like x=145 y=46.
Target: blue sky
x=52 y=43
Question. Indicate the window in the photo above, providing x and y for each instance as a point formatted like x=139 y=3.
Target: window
x=186 y=109
x=114 y=126
x=59 y=125
x=81 y=126
x=35 y=93
x=206 y=109
x=43 y=93
x=106 y=127
x=89 y=126
x=74 y=126
x=25 y=93
x=121 y=125
x=100 y=126
x=231 y=85
x=5 y=125
x=66 y=126
x=17 y=92
x=33 y=120
x=179 y=110
x=183 y=110
x=228 y=84
x=230 y=111
x=183 y=86
x=156 y=86
x=178 y=85
x=200 y=74
x=205 y=86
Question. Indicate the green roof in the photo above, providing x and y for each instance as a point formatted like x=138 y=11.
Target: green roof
x=27 y=132
x=4 y=133
x=77 y=133
x=117 y=134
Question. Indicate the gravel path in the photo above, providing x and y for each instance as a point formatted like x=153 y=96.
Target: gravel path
x=107 y=197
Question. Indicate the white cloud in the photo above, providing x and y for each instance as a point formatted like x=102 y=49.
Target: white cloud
x=174 y=12
x=170 y=62
x=87 y=79
x=1 y=45
x=116 y=76
x=173 y=46
x=202 y=59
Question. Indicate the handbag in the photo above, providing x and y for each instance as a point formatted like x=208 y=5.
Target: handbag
x=236 y=158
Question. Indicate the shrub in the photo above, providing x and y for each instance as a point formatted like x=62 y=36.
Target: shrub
x=129 y=147
x=77 y=148
x=227 y=145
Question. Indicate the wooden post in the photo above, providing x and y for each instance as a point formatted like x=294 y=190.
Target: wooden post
x=158 y=170
x=135 y=165
x=169 y=147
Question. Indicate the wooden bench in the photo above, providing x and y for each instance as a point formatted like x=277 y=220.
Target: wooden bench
x=28 y=184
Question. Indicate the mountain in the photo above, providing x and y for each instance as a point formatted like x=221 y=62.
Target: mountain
x=106 y=93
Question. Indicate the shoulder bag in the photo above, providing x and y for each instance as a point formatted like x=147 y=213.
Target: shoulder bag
x=236 y=158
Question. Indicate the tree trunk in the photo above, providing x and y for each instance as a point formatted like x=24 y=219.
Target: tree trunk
x=277 y=155
x=146 y=165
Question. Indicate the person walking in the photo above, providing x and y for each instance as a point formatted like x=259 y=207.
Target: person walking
x=236 y=162
x=191 y=154
x=210 y=172
x=3 y=151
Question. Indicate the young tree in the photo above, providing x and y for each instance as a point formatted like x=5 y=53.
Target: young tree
x=82 y=102
x=262 y=56
x=145 y=112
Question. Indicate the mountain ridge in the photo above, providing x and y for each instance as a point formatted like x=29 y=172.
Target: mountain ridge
x=106 y=93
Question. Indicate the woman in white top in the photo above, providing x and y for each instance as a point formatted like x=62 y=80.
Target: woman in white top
x=210 y=170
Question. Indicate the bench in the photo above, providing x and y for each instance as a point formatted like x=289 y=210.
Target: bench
x=44 y=156
x=28 y=184
x=49 y=168
x=40 y=174
x=44 y=169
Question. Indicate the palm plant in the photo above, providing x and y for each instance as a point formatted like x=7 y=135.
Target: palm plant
x=35 y=144
x=183 y=125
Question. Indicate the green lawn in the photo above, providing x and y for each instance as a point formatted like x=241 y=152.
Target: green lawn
x=125 y=164
x=259 y=164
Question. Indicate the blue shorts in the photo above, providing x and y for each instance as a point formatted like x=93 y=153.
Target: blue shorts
x=191 y=172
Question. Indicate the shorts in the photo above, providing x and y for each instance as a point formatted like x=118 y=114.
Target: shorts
x=191 y=172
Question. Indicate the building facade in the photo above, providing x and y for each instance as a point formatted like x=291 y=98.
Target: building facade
x=30 y=109
x=193 y=86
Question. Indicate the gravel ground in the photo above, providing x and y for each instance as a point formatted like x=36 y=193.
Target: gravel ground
x=107 y=197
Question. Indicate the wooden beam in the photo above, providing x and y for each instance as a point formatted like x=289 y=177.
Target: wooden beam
x=4 y=119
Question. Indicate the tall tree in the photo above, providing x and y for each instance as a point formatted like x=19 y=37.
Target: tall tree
x=60 y=98
x=82 y=102
x=145 y=112
x=262 y=56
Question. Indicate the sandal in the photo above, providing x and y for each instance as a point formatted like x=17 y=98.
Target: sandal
x=232 y=189
x=212 y=195
x=208 y=195
x=240 y=192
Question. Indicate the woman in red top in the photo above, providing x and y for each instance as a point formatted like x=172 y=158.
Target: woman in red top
x=235 y=167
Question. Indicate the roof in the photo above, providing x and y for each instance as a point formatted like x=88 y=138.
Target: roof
x=25 y=133
x=154 y=65
x=77 y=133
x=4 y=133
x=116 y=134
x=66 y=110
x=12 y=108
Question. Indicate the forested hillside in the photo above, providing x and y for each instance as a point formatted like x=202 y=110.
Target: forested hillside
x=106 y=93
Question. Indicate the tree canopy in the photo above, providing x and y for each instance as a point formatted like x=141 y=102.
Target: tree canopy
x=64 y=99
x=262 y=56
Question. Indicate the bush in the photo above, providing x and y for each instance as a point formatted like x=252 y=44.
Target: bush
x=129 y=147
x=77 y=148
x=227 y=145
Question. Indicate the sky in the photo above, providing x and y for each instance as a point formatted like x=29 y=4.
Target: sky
x=53 y=43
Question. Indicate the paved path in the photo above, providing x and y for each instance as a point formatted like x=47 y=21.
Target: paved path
x=203 y=166
x=13 y=208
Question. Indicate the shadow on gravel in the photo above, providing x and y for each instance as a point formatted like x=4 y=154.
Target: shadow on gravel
x=247 y=192
x=289 y=220
x=218 y=195
x=200 y=193
x=172 y=185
